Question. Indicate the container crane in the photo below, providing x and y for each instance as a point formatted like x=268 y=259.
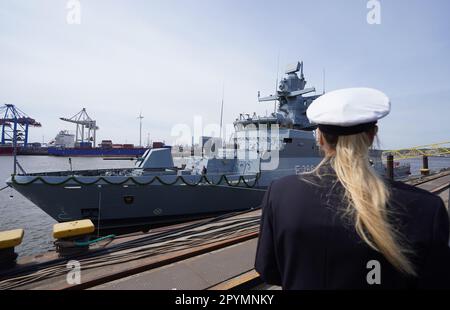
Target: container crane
x=86 y=127
x=14 y=125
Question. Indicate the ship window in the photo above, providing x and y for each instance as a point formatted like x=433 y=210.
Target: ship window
x=128 y=199
x=287 y=140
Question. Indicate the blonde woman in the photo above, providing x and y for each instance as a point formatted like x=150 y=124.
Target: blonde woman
x=343 y=226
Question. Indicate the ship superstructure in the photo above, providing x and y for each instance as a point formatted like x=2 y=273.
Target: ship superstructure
x=157 y=191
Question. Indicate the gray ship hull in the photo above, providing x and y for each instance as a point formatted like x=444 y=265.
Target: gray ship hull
x=114 y=207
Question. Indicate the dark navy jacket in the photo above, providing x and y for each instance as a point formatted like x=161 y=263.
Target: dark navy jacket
x=306 y=241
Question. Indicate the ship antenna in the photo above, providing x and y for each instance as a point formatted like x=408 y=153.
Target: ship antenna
x=323 y=82
x=276 y=83
x=301 y=72
x=221 y=112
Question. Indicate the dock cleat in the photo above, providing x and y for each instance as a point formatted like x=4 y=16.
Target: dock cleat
x=72 y=238
x=8 y=241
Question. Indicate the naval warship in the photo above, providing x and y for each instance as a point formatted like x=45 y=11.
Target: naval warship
x=156 y=192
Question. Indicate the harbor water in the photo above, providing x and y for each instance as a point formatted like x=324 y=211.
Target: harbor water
x=18 y=212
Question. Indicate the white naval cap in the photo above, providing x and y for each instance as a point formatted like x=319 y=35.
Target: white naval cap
x=348 y=111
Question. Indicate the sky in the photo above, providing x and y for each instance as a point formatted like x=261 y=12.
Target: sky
x=173 y=60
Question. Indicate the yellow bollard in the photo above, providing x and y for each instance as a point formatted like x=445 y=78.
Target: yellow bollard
x=69 y=233
x=8 y=241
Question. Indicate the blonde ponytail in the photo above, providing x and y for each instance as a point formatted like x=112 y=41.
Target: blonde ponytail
x=367 y=196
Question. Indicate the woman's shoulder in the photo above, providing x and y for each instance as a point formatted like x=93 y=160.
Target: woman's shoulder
x=413 y=194
x=294 y=181
x=420 y=207
x=288 y=180
x=297 y=184
x=283 y=184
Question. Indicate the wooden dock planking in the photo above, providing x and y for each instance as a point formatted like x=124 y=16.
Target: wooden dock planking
x=100 y=275
x=249 y=277
x=195 y=273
